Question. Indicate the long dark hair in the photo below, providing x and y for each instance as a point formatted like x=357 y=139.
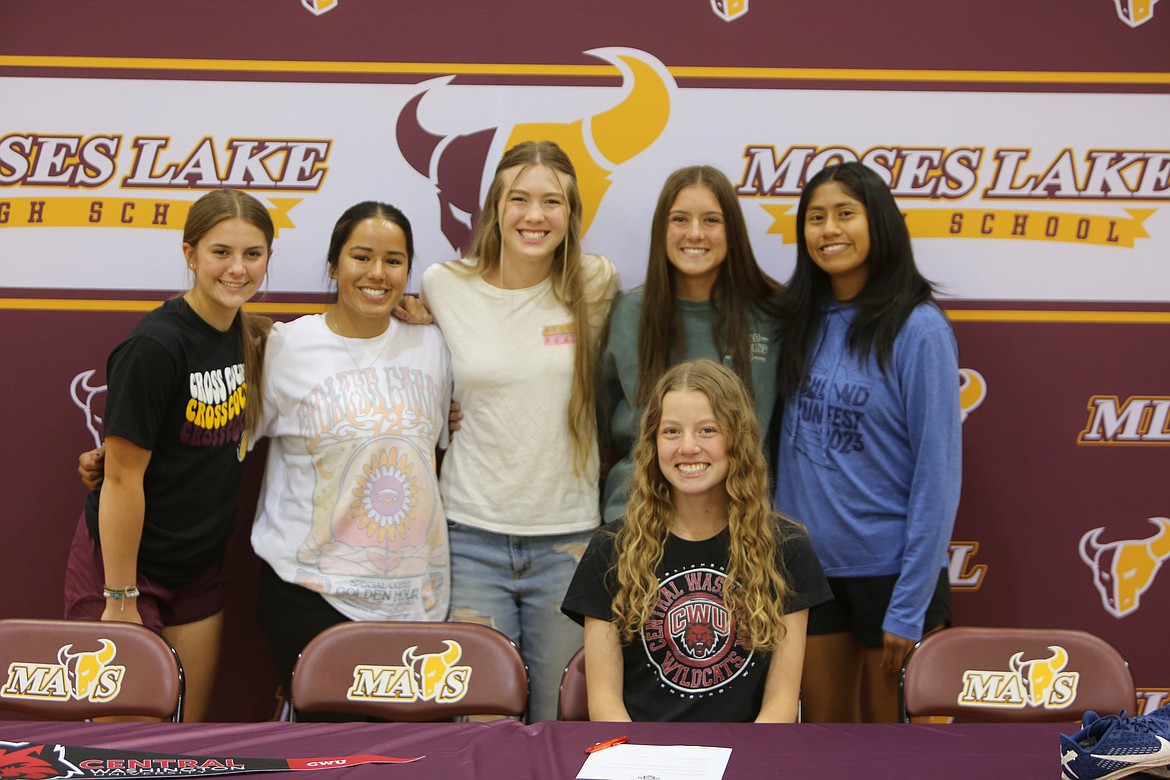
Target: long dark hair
x=893 y=286
x=740 y=286
x=358 y=213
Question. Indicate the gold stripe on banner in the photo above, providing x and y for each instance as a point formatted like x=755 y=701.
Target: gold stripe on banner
x=150 y=213
x=503 y=69
x=1022 y=225
x=1016 y=224
x=955 y=315
x=1070 y=317
x=73 y=304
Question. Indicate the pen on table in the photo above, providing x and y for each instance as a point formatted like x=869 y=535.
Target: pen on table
x=607 y=744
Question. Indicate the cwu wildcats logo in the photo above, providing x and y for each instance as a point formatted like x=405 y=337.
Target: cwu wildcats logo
x=1125 y=569
x=26 y=761
x=83 y=676
x=688 y=637
x=422 y=677
x=699 y=627
x=1040 y=682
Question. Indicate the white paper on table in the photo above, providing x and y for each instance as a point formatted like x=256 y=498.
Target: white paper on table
x=656 y=762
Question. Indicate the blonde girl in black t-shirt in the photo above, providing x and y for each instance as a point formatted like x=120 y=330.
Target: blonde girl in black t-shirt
x=695 y=606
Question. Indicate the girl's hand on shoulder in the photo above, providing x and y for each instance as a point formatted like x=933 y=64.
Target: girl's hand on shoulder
x=455 y=417
x=412 y=310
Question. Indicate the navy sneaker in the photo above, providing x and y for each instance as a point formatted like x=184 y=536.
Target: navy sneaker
x=1162 y=713
x=1114 y=746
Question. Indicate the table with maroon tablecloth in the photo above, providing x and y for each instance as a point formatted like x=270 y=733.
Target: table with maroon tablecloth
x=553 y=750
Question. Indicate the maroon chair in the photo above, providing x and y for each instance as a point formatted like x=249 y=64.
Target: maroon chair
x=410 y=671
x=574 y=699
x=1014 y=675
x=82 y=669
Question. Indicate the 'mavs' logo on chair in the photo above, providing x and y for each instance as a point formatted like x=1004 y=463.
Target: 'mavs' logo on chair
x=1038 y=682
x=422 y=676
x=85 y=676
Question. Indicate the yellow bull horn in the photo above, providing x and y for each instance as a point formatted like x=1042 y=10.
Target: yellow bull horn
x=630 y=127
x=617 y=134
x=103 y=656
x=107 y=653
x=452 y=653
x=1059 y=657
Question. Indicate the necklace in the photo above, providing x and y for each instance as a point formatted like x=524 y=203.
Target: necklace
x=700 y=534
x=386 y=336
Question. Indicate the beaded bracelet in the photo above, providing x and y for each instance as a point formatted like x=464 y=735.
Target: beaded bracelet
x=121 y=594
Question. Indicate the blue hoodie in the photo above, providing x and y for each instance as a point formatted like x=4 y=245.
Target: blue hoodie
x=871 y=462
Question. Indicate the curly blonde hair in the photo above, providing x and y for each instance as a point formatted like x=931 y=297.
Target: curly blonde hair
x=753 y=590
x=569 y=282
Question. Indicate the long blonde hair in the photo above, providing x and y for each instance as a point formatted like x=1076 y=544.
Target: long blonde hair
x=206 y=213
x=753 y=590
x=569 y=284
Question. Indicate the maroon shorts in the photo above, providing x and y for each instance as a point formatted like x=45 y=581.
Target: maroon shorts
x=158 y=605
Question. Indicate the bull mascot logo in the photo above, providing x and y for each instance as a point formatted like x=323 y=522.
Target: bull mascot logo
x=318 y=7
x=91 y=676
x=972 y=390
x=1124 y=570
x=82 y=393
x=1135 y=12
x=457 y=164
x=729 y=10
x=436 y=677
x=1038 y=675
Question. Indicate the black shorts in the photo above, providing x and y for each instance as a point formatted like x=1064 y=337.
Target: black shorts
x=859 y=606
x=291 y=615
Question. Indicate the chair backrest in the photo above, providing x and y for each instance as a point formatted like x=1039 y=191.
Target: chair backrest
x=410 y=671
x=574 y=701
x=1014 y=675
x=79 y=669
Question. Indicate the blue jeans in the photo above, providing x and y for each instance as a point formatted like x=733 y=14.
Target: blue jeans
x=515 y=584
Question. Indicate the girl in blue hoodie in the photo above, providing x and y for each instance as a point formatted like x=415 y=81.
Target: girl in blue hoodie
x=870 y=445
